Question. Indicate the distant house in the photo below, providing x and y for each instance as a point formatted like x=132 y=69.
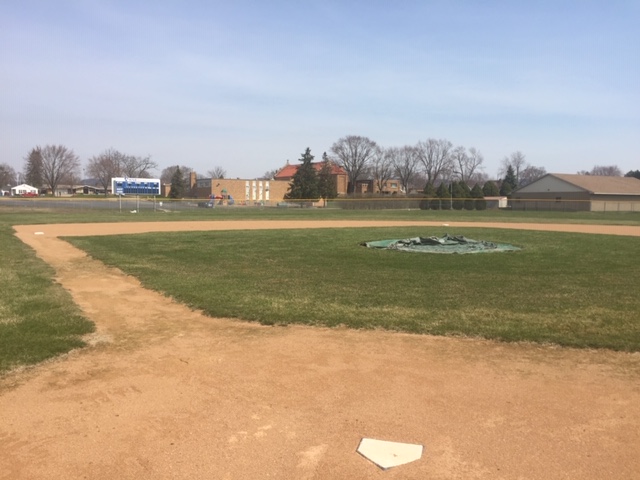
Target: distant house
x=62 y=190
x=390 y=187
x=24 y=190
x=568 y=192
x=338 y=173
x=90 y=186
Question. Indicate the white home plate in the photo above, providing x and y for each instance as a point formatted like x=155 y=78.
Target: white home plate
x=38 y=233
x=389 y=454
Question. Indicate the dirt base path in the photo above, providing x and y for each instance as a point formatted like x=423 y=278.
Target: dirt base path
x=166 y=393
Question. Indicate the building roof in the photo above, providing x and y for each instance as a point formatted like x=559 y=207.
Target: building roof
x=288 y=171
x=596 y=184
x=91 y=182
x=23 y=186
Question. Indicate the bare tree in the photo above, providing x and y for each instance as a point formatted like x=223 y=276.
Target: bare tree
x=478 y=177
x=217 y=172
x=137 y=167
x=269 y=174
x=106 y=166
x=7 y=175
x=417 y=181
x=435 y=156
x=459 y=159
x=58 y=162
x=382 y=168
x=405 y=164
x=353 y=153
x=603 y=171
x=530 y=174
x=517 y=161
x=167 y=174
x=469 y=164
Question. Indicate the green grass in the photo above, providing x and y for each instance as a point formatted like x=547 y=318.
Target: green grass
x=38 y=319
x=14 y=215
x=569 y=289
x=265 y=276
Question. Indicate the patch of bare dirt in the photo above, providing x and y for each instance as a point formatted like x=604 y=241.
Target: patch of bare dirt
x=166 y=393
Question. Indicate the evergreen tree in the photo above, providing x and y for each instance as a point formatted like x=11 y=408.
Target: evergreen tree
x=509 y=183
x=430 y=201
x=33 y=173
x=479 y=203
x=490 y=189
x=444 y=194
x=458 y=194
x=327 y=187
x=505 y=189
x=468 y=202
x=304 y=184
x=633 y=173
x=178 y=185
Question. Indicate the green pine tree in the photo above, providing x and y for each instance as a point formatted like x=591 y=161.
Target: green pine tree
x=33 y=174
x=444 y=194
x=505 y=189
x=430 y=198
x=468 y=200
x=178 y=185
x=490 y=189
x=509 y=183
x=479 y=203
x=327 y=187
x=458 y=195
x=304 y=184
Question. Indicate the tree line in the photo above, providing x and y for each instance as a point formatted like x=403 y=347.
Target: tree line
x=54 y=165
x=431 y=164
x=426 y=164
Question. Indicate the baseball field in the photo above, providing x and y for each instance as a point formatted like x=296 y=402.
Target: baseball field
x=258 y=346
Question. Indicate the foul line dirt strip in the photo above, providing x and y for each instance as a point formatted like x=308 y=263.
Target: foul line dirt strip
x=166 y=393
x=82 y=229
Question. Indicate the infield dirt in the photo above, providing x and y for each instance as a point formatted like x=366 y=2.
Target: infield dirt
x=167 y=393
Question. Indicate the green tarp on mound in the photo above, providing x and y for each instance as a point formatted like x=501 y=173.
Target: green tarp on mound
x=446 y=244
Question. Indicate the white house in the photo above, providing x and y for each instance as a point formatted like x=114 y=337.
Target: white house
x=24 y=189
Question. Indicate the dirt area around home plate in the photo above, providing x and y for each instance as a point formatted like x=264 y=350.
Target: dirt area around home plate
x=164 y=392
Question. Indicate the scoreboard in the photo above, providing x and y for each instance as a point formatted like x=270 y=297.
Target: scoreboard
x=135 y=186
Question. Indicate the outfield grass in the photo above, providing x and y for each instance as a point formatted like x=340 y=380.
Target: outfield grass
x=38 y=319
x=569 y=289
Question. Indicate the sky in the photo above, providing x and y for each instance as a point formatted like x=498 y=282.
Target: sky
x=249 y=85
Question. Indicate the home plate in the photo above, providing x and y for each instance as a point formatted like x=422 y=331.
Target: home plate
x=38 y=233
x=389 y=454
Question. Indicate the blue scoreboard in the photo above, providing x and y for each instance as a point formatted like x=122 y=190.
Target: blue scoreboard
x=135 y=186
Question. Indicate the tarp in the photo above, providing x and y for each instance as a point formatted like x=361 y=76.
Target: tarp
x=446 y=244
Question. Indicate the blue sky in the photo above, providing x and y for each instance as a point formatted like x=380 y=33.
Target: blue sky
x=248 y=85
